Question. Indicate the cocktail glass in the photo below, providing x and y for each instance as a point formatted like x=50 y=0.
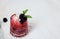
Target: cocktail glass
x=16 y=28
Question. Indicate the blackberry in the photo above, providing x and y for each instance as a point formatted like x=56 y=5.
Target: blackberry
x=23 y=18
x=22 y=21
x=4 y=19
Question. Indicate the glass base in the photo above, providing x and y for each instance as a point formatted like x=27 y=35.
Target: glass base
x=18 y=35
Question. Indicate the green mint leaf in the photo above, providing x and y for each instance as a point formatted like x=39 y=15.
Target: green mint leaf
x=25 y=11
x=28 y=16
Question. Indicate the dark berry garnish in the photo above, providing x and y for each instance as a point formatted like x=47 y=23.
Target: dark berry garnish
x=25 y=18
x=22 y=18
x=4 y=19
x=22 y=21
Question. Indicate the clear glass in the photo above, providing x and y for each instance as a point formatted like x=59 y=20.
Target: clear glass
x=16 y=28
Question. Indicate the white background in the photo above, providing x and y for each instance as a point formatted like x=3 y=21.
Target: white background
x=45 y=23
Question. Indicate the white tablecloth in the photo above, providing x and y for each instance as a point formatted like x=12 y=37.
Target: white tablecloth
x=45 y=23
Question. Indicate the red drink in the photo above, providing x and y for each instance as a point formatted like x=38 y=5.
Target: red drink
x=18 y=29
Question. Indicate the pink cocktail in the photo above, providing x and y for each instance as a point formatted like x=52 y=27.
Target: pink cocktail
x=17 y=28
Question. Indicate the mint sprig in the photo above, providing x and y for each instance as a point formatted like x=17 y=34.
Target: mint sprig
x=24 y=12
x=28 y=16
